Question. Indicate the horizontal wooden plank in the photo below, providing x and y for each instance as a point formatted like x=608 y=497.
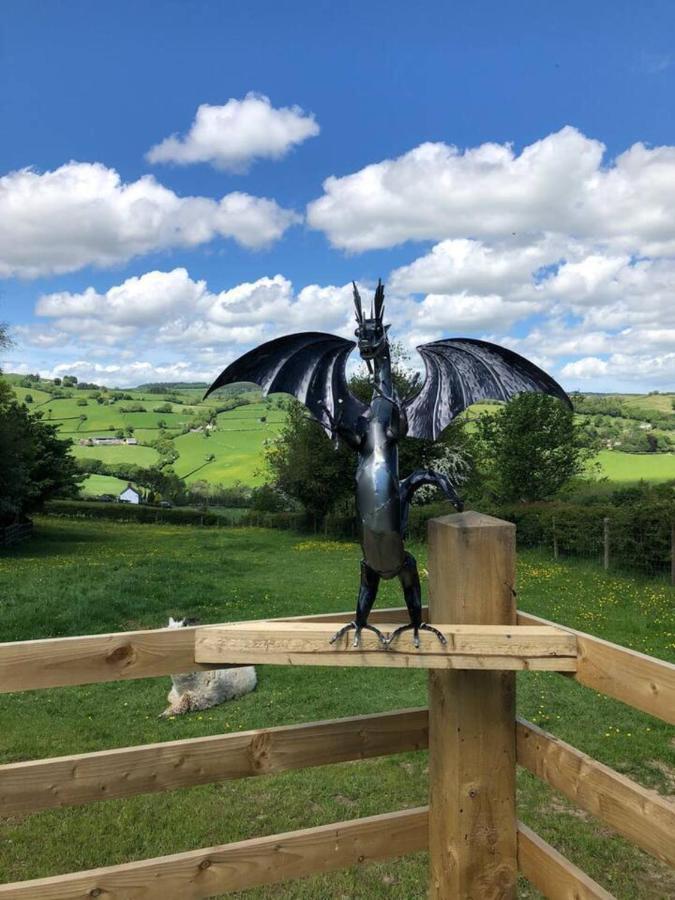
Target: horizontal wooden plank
x=308 y=643
x=61 y=662
x=239 y=866
x=26 y=787
x=551 y=873
x=57 y=662
x=634 y=678
x=637 y=813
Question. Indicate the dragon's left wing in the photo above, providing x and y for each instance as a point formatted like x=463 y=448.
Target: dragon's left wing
x=462 y=371
x=310 y=366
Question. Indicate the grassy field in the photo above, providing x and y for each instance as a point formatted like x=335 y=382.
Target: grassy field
x=236 y=444
x=659 y=402
x=95 y=485
x=78 y=578
x=627 y=467
x=134 y=454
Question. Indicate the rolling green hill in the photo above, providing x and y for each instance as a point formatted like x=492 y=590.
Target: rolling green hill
x=232 y=449
x=236 y=446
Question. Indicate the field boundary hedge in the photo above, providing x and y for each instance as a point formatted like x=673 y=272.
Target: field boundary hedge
x=639 y=535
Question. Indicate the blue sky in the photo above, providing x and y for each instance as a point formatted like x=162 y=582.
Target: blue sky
x=507 y=168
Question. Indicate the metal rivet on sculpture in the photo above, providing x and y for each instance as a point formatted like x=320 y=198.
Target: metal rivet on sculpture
x=459 y=372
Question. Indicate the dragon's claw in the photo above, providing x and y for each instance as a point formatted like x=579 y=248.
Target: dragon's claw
x=357 y=633
x=416 y=633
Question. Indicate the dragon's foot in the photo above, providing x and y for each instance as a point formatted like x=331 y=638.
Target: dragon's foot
x=357 y=633
x=416 y=633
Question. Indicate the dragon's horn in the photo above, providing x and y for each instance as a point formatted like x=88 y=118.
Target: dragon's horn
x=379 y=299
x=357 y=304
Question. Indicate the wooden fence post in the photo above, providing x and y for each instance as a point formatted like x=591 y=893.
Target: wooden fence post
x=605 y=543
x=472 y=751
x=555 y=540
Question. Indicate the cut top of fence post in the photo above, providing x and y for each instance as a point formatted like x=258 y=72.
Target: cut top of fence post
x=471 y=578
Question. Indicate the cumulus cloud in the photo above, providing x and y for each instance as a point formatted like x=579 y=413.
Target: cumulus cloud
x=561 y=184
x=658 y=368
x=84 y=214
x=232 y=136
x=167 y=326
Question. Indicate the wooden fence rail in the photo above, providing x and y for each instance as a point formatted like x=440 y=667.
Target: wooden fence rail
x=26 y=787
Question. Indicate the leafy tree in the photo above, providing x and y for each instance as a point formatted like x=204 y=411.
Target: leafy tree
x=529 y=449
x=306 y=467
x=35 y=464
x=28 y=398
x=57 y=382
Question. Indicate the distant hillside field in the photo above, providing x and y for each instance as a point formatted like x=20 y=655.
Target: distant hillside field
x=95 y=485
x=237 y=445
x=136 y=455
x=238 y=436
x=627 y=467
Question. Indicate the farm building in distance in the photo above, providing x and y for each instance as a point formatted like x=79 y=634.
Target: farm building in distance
x=129 y=495
x=106 y=441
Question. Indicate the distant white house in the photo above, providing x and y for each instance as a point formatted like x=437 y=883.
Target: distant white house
x=129 y=495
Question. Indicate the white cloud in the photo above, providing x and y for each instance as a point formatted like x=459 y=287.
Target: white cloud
x=559 y=185
x=232 y=136
x=470 y=312
x=83 y=214
x=658 y=368
x=138 y=301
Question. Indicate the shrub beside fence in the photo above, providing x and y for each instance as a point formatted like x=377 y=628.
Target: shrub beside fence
x=128 y=512
x=638 y=537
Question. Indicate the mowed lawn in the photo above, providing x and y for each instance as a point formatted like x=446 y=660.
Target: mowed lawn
x=83 y=577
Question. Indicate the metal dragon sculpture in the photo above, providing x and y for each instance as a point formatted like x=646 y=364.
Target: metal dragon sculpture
x=459 y=372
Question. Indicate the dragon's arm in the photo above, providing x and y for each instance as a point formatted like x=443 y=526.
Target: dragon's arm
x=462 y=371
x=311 y=367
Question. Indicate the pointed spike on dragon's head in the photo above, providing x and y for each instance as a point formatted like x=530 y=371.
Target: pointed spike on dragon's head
x=379 y=300
x=357 y=304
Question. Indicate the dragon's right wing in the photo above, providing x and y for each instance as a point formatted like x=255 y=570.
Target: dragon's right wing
x=310 y=366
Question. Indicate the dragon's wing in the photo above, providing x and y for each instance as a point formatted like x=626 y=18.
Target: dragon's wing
x=310 y=366
x=463 y=371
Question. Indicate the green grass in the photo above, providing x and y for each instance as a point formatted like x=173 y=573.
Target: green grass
x=237 y=445
x=117 y=453
x=659 y=402
x=627 y=467
x=76 y=578
x=95 y=485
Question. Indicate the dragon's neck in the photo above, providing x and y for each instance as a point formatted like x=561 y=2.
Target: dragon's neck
x=382 y=374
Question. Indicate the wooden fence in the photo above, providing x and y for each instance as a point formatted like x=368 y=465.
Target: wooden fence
x=470 y=827
x=14 y=534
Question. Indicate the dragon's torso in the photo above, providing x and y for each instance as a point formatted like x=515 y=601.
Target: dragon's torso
x=377 y=489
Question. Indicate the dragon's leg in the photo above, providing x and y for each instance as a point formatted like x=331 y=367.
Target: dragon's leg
x=370 y=582
x=412 y=593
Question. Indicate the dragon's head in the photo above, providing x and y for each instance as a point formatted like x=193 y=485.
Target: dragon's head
x=371 y=332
